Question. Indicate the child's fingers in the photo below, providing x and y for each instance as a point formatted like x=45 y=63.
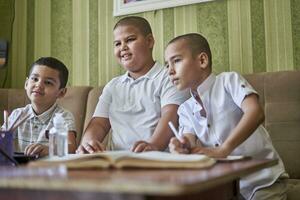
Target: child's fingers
x=37 y=149
x=33 y=149
x=93 y=146
x=80 y=150
x=139 y=146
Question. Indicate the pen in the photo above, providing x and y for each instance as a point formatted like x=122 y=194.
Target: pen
x=5 y=118
x=176 y=133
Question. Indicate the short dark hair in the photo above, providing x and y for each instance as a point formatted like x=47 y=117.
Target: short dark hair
x=196 y=43
x=54 y=64
x=141 y=23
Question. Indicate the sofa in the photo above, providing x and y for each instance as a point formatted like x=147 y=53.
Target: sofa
x=279 y=96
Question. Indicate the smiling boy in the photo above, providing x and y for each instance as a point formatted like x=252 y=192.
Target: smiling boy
x=137 y=105
x=45 y=84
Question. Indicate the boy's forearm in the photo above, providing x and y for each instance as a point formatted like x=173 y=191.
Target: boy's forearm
x=253 y=116
x=162 y=133
x=96 y=130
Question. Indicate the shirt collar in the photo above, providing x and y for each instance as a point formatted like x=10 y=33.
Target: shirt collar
x=206 y=85
x=151 y=74
x=44 y=117
x=201 y=90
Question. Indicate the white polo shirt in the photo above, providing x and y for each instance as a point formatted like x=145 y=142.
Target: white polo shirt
x=222 y=97
x=134 y=106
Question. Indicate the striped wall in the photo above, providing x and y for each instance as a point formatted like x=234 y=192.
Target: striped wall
x=247 y=36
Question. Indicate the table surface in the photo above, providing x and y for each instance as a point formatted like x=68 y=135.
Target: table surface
x=133 y=181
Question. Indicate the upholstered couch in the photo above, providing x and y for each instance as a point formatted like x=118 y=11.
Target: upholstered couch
x=279 y=96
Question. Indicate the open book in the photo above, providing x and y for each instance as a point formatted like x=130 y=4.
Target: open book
x=120 y=159
x=232 y=158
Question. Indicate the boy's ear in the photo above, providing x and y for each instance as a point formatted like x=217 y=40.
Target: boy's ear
x=150 y=40
x=62 y=92
x=203 y=60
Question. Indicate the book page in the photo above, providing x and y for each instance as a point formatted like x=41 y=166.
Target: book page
x=232 y=158
x=157 y=159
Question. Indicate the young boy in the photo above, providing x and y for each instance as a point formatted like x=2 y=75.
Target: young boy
x=222 y=117
x=45 y=84
x=139 y=104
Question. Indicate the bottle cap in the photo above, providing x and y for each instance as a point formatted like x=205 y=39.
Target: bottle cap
x=58 y=119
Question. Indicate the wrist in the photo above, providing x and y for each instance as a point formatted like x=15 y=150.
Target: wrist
x=226 y=149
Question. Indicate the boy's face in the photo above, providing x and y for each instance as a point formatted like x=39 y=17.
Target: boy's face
x=132 y=49
x=43 y=87
x=185 y=71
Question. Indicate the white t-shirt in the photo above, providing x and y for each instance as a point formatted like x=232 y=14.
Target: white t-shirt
x=222 y=97
x=134 y=106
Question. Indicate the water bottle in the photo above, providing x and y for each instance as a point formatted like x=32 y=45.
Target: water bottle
x=52 y=142
x=61 y=135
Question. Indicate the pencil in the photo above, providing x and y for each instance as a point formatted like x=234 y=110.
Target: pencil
x=19 y=122
x=5 y=118
x=15 y=121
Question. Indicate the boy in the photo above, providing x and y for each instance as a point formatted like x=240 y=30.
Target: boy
x=138 y=104
x=222 y=117
x=45 y=84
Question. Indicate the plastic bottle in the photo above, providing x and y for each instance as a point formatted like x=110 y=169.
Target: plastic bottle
x=60 y=136
x=52 y=142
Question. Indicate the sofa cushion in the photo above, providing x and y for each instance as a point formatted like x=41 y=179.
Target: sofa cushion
x=75 y=101
x=11 y=99
x=282 y=110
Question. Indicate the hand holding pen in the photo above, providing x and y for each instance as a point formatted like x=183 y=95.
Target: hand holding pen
x=180 y=144
x=178 y=134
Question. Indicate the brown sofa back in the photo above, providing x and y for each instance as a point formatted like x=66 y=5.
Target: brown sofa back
x=280 y=97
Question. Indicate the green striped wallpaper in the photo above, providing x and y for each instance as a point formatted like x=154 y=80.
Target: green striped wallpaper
x=245 y=35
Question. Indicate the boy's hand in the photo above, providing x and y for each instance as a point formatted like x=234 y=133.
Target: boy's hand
x=181 y=146
x=214 y=152
x=141 y=146
x=37 y=148
x=91 y=146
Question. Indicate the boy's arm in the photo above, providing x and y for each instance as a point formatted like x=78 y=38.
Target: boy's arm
x=71 y=141
x=94 y=135
x=162 y=133
x=253 y=116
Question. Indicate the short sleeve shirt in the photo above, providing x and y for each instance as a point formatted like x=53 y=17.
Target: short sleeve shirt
x=134 y=106
x=33 y=129
x=222 y=97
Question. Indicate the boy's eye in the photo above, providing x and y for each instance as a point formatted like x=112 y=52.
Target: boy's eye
x=117 y=44
x=48 y=83
x=176 y=60
x=35 y=79
x=130 y=39
x=167 y=65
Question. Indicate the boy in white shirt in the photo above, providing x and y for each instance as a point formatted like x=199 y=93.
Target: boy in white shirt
x=137 y=105
x=222 y=117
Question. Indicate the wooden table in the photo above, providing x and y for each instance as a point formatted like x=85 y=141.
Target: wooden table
x=218 y=182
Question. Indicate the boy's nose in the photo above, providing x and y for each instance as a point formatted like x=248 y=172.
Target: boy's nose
x=39 y=84
x=124 y=46
x=170 y=70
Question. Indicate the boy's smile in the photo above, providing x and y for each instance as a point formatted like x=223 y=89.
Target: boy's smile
x=43 y=87
x=133 y=50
